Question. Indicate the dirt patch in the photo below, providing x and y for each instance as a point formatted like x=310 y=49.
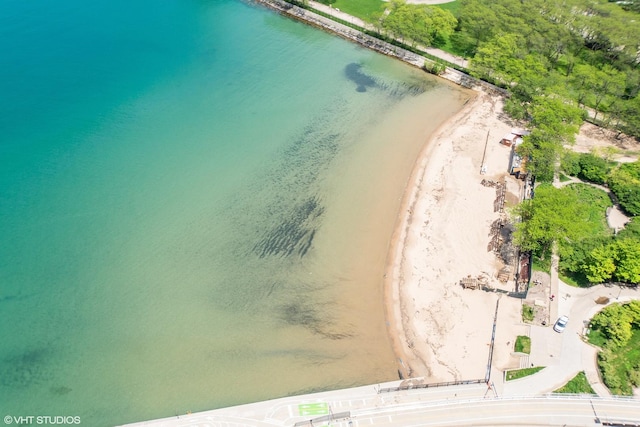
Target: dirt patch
x=619 y=147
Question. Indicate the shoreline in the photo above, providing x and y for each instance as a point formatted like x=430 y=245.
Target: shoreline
x=426 y=339
x=398 y=246
x=309 y=17
x=438 y=330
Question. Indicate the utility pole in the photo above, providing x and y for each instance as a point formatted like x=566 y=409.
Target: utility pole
x=483 y=168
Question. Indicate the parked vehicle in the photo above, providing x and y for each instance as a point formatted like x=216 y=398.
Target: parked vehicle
x=560 y=324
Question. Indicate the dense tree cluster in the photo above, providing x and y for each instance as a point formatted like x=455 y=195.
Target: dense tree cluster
x=587 y=166
x=619 y=362
x=624 y=181
x=618 y=260
x=553 y=215
x=573 y=218
x=580 y=51
x=616 y=322
x=416 y=24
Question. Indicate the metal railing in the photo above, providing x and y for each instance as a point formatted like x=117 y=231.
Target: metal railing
x=431 y=385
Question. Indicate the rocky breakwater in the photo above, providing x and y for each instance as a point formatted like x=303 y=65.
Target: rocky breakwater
x=344 y=31
x=378 y=45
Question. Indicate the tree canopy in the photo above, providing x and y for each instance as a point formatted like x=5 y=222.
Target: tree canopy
x=417 y=24
x=625 y=184
x=552 y=215
x=582 y=51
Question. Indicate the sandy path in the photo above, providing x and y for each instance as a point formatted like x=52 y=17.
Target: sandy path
x=442 y=331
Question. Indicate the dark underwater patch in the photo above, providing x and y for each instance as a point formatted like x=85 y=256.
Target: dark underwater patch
x=363 y=81
x=295 y=232
x=309 y=317
x=25 y=369
x=60 y=390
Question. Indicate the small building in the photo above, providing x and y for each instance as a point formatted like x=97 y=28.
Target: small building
x=514 y=137
x=517 y=165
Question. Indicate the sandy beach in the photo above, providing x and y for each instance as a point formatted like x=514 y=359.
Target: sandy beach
x=441 y=331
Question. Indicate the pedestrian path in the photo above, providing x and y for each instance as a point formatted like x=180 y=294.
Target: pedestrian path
x=337 y=13
x=566 y=354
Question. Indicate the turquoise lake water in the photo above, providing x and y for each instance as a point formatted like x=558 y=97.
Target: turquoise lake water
x=196 y=200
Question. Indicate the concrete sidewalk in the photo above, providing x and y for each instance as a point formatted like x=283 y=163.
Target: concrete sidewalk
x=337 y=13
x=566 y=354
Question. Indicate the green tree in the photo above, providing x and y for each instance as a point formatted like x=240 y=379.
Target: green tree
x=631 y=229
x=552 y=215
x=499 y=60
x=542 y=151
x=570 y=163
x=554 y=123
x=625 y=184
x=610 y=83
x=418 y=24
x=600 y=264
x=593 y=168
x=442 y=24
x=575 y=257
x=478 y=20
x=615 y=323
x=630 y=116
x=583 y=78
x=556 y=117
x=627 y=256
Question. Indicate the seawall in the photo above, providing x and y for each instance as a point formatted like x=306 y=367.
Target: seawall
x=373 y=43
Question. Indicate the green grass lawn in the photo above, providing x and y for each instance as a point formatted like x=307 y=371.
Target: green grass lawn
x=577 y=385
x=362 y=9
x=523 y=344
x=596 y=201
x=597 y=338
x=574 y=279
x=564 y=178
x=528 y=313
x=453 y=7
x=521 y=373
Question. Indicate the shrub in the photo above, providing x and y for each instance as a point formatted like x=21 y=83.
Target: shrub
x=528 y=313
x=436 y=68
x=593 y=168
x=625 y=184
x=523 y=344
x=631 y=230
x=570 y=163
x=617 y=329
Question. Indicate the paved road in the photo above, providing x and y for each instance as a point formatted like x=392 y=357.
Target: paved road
x=566 y=354
x=450 y=406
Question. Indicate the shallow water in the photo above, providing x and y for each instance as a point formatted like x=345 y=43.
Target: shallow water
x=196 y=199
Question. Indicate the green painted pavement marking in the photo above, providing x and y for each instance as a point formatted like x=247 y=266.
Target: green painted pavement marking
x=313 y=409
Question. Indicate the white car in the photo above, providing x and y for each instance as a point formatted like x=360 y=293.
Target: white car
x=561 y=323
